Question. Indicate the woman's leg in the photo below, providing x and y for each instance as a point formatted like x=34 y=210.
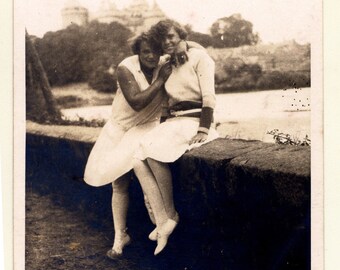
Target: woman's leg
x=163 y=176
x=165 y=226
x=120 y=203
x=151 y=190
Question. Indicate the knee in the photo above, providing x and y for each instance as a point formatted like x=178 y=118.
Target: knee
x=121 y=185
x=91 y=178
x=137 y=163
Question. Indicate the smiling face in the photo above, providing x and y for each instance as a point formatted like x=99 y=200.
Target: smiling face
x=147 y=56
x=170 y=41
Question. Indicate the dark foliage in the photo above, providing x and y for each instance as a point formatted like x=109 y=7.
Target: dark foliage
x=239 y=76
x=202 y=39
x=233 y=31
x=283 y=80
x=40 y=103
x=103 y=81
x=77 y=53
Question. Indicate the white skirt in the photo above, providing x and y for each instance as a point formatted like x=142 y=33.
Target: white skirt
x=170 y=140
x=112 y=154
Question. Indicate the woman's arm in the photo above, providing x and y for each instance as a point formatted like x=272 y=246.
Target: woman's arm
x=136 y=98
x=193 y=44
x=205 y=74
x=180 y=54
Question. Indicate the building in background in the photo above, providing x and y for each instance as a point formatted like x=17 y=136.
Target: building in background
x=74 y=13
x=138 y=16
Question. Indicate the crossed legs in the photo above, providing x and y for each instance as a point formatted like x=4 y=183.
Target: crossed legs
x=163 y=177
x=156 y=181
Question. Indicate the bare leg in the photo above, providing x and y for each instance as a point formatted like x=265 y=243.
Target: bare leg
x=149 y=209
x=120 y=203
x=151 y=190
x=165 y=226
x=163 y=177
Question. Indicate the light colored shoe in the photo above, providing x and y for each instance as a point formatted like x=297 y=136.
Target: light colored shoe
x=117 y=250
x=163 y=234
x=153 y=234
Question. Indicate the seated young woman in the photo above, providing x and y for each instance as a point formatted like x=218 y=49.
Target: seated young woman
x=136 y=109
x=191 y=92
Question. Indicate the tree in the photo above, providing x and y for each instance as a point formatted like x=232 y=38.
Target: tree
x=75 y=54
x=63 y=55
x=40 y=103
x=202 y=39
x=233 y=31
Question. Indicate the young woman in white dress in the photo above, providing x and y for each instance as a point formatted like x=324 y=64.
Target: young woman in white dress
x=136 y=109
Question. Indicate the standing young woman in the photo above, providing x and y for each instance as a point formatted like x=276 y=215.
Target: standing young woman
x=136 y=109
x=191 y=92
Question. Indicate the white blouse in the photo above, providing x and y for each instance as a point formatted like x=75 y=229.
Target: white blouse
x=193 y=81
x=122 y=113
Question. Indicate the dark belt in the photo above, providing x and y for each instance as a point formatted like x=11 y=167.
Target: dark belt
x=185 y=109
x=186 y=105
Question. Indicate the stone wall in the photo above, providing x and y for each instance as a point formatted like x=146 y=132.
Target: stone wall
x=242 y=204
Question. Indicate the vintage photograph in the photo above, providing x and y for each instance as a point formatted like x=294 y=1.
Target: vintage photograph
x=169 y=134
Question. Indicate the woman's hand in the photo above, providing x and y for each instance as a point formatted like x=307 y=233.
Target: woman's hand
x=180 y=54
x=199 y=138
x=165 y=72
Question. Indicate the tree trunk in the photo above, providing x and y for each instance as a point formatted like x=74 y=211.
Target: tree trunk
x=40 y=103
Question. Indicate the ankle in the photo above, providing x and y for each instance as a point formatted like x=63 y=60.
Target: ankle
x=120 y=234
x=175 y=216
x=120 y=241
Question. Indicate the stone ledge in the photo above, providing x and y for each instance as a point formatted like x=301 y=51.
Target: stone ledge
x=265 y=156
x=239 y=194
x=75 y=133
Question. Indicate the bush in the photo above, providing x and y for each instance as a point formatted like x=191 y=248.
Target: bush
x=237 y=76
x=102 y=81
x=74 y=54
x=283 y=80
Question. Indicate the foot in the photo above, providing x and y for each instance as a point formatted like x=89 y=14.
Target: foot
x=163 y=234
x=118 y=246
x=153 y=234
x=176 y=217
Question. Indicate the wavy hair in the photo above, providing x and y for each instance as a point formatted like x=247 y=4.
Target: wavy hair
x=158 y=31
x=145 y=37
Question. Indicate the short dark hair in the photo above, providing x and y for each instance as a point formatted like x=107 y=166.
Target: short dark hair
x=161 y=29
x=136 y=44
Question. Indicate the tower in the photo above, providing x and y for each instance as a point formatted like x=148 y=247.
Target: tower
x=135 y=13
x=108 y=13
x=154 y=15
x=74 y=13
x=138 y=16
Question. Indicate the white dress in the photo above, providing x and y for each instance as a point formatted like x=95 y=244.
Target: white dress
x=192 y=81
x=112 y=154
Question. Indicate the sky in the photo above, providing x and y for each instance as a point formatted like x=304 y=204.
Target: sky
x=273 y=20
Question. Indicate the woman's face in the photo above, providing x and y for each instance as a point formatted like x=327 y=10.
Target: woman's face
x=170 y=41
x=147 y=56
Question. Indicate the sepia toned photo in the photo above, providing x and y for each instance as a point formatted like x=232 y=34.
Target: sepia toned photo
x=168 y=134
